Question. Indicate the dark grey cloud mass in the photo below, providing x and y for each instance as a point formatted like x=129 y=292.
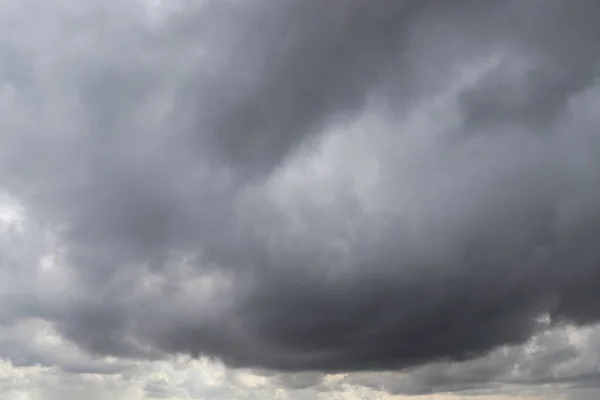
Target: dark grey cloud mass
x=166 y=163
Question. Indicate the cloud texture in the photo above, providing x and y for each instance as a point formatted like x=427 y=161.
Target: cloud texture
x=302 y=185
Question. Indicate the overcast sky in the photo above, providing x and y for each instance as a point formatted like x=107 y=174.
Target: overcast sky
x=299 y=199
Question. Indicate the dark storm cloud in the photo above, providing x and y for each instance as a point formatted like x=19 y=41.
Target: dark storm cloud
x=135 y=146
x=551 y=360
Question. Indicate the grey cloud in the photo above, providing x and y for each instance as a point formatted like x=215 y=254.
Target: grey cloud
x=155 y=156
x=284 y=82
x=160 y=389
x=584 y=394
x=296 y=381
x=556 y=361
x=29 y=344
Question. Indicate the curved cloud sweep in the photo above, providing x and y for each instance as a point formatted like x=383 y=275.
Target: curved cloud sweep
x=303 y=185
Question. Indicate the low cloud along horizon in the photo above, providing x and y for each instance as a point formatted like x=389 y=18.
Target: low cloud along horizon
x=298 y=199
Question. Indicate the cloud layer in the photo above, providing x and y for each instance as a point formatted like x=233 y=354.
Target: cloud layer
x=298 y=186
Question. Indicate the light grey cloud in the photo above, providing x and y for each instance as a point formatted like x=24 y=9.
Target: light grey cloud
x=584 y=394
x=302 y=187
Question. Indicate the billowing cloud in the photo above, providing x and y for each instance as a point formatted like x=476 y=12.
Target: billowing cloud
x=304 y=187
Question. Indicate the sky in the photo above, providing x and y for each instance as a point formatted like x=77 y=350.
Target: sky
x=299 y=199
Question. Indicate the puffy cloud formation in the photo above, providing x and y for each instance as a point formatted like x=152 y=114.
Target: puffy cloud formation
x=315 y=190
